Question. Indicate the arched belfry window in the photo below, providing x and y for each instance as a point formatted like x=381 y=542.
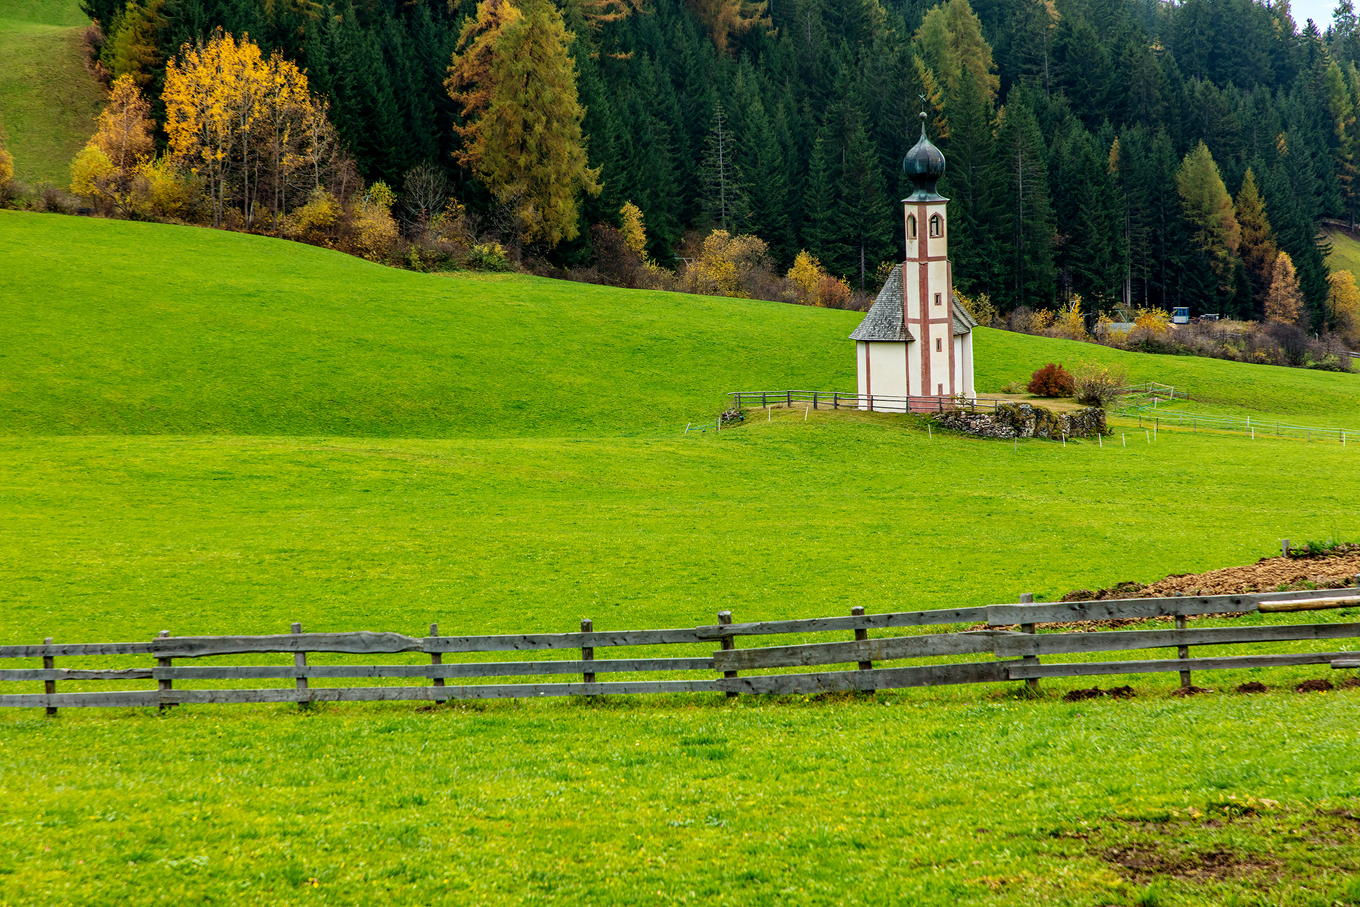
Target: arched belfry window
x=936 y=225
x=911 y=226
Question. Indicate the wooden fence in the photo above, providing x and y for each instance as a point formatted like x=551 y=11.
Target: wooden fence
x=1015 y=655
x=872 y=402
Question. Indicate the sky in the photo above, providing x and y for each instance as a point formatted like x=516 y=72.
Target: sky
x=1320 y=11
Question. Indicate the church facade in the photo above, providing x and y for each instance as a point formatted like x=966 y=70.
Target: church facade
x=916 y=341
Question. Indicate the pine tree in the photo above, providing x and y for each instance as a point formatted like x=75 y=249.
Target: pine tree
x=1257 y=247
x=517 y=85
x=1284 y=302
x=1027 y=217
x=1208 y=211
x=1341 y=106
x=132 y=48
x=1085 y=202
x=762 y=160
x=971 y=183
x=818 y=200
x=949 y=41
x=726 y=204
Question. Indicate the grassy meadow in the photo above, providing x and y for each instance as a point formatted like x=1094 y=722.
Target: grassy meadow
x=213 y=433
x=48 y=98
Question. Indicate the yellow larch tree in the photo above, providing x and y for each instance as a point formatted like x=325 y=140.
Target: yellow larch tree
x=1284 y=302
x=109 y=170
x=516 y=83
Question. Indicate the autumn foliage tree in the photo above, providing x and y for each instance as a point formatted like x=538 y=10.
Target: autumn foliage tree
x=6 y=171
x=516 y=84
x=1343 y=304
x=1208 y=211
x=1284 y=302
x=1257 y=246
x=110 y=171
x=728 y=19
x=248 y=127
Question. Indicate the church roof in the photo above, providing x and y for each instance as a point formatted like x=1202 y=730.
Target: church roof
x=964 y=322
x=883 y=322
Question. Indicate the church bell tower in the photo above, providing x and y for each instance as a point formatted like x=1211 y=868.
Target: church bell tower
x=927 y=277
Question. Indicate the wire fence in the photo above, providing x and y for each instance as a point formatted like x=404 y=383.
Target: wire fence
x=1244 y=425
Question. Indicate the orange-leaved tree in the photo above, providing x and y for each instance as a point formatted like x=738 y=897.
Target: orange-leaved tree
x=108 y=171
x=248 y=127
x=516 y=84
x=6 y=170
x=1284 y=302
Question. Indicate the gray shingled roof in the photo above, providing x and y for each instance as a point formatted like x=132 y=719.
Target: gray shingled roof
x=883 y=321
x=963 y=321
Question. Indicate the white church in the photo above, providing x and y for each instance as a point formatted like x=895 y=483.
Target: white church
x=915 y=345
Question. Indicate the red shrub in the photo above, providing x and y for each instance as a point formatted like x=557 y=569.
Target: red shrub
x=1052 y=381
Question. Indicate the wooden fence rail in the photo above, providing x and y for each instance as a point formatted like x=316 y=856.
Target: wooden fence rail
x=873 y=402
x=1016 y=655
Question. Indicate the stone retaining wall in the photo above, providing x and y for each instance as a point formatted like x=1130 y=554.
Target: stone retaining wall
x=1022 y=420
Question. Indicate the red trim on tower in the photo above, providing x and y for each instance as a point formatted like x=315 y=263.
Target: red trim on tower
x=924 y=337
x=949 y=287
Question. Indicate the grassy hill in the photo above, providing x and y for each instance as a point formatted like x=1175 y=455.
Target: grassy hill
x=132 y=328
x=48 y=99
x=208 y=432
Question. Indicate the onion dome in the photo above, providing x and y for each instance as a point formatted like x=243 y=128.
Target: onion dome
x=924 y=165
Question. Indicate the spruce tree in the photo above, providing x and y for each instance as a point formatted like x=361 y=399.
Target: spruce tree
x=971 y=183
x=1027 y=218
x=1213 y=227
x=725 y=201
x=1258 y=248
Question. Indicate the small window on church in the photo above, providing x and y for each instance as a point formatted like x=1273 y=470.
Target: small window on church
x=911 y=226
x=937 y=298
x=939 y=390
x=939 y=345
x=936 y=225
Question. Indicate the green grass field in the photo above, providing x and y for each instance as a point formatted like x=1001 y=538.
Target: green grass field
x=206 y=432
x=1345 y=251
x=48 y=99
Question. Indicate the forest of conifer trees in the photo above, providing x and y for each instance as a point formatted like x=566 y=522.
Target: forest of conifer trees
x=1098 y=148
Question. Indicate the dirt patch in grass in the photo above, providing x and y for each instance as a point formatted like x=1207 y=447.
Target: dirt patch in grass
x=1334 y=570
x=1144 y=861
x=1251 y=686
x=1124 y=692
x=1191 y=691
x=1230 y=840
x=1317 y=685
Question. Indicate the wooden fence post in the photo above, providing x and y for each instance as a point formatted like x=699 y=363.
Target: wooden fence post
x=1284 y=547
x=835 y=400
x=1027 y=598
x=728 y=643
x=1183 y=653
x=49 y=686
x=164 y=684
x=588 y=652
x=436 y=658
x=814 y=399
x=300 y=661
x=861 y=635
